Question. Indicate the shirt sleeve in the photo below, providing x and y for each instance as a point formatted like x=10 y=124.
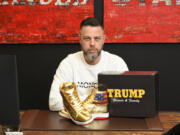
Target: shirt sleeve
x=123 y=66
x=119 y=64
x=63 y=74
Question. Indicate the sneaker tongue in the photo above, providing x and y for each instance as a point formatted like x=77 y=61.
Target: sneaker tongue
x=68 y=84
x=70 y=91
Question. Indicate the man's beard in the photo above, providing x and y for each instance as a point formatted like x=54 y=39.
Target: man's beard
x=92 y=57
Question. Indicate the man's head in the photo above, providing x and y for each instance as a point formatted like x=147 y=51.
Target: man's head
x=91 y=40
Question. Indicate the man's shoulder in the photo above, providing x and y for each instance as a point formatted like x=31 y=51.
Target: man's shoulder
x=73 y=57
x=115 y=61
x=111 y=55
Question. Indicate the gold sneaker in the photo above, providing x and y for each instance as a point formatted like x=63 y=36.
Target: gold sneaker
x=99 y=106
x=96 y=103
x=77 y=113
x=63 y=113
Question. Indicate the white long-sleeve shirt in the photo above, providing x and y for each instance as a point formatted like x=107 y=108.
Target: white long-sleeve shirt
x=75 y=69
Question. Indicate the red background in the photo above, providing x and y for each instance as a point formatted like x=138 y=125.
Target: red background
x=42 y=23
x=149 y=23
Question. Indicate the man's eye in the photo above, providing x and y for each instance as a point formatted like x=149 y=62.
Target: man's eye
x=97 y=38
x=86 y=38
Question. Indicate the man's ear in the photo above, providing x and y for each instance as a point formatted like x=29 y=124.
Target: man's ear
x=104 y=38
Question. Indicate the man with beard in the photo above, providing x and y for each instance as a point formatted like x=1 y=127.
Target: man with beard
x=83 y=67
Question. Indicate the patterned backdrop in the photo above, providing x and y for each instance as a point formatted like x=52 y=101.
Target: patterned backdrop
x=42 y=21
x=142 y=20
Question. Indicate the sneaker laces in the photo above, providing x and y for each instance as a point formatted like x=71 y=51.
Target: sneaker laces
x=74 y=99
x=76 y=102
x=90 y=98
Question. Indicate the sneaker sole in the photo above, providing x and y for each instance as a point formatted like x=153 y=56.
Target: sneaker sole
x=77 y=122
x=100 y=116
x=96 y=116
x=82 y=123
x=64 y=115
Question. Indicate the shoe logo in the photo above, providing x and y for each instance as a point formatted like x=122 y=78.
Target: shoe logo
x=100 y=98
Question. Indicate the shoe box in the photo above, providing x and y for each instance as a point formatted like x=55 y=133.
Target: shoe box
x=132 y=93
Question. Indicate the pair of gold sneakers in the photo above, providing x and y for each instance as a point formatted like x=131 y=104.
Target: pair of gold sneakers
x=83 y=113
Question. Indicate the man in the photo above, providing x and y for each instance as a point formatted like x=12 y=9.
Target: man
x=83 y=67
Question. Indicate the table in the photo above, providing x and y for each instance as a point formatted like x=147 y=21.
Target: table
x=168 y=120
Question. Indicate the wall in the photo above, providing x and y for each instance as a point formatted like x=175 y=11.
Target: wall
x=37 y=65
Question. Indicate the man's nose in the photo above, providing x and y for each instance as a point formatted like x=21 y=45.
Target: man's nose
x=92 y=43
